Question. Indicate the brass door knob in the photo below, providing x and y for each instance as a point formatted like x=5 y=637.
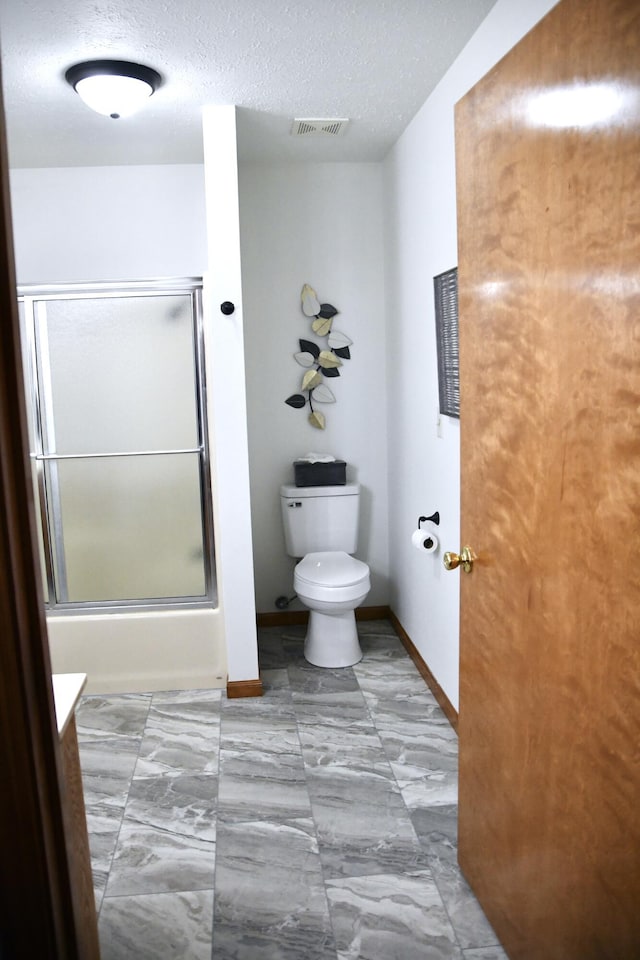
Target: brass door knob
x=464 y=559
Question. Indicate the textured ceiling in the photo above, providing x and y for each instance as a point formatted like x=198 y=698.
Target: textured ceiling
x=374 y=61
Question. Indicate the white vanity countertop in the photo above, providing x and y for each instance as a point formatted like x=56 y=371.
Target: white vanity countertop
x=67 y=688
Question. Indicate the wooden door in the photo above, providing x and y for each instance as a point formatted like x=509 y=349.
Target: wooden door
x=548 y=172
x=41 y=910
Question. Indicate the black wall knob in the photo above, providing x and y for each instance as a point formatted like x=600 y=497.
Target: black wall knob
x=227 y=308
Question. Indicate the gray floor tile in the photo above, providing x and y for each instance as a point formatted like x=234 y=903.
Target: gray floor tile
x=467 y=917
x=332 y=709
x=151 y=859
x=305 y=678
x=271 y=654
x=325 y=811
x=293 y=647
x=388 y=917
x=278 y=648
x=180 y=738
x=394 y=679
x=423 y=751
x=379 y=641
x=407 y=715
x=423 y=789
x=356 y=746
x=363 y=826
x=437 y=828
x=107 y=767
x=166 y=926
x=262 y=786
x=275 y=704
x=247 y=731
x=184 y=805
x=270 y=897
x=424 y=762
x=207 y=699
x=99 y=717
x=274 y=683
x=485 y=953
x=103 y=826
x=294 y=635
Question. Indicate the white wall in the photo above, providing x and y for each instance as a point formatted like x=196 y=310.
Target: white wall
x=100 y=223
x=109 y=223
x=319 y=224
x=226 y=362
x=424 y=465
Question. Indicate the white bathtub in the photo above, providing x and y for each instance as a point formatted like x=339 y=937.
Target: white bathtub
x=128 y=652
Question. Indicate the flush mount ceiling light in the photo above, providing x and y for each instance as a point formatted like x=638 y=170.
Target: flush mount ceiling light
x=114 y=88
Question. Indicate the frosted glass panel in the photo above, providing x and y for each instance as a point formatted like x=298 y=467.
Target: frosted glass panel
x=122 y=374
x=132 y=527
x=118 y=434
x=26 y=372
x=30 y=410
x=41 y=554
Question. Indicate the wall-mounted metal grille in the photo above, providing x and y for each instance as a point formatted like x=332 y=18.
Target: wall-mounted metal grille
x=446 y=297
x=319 y=127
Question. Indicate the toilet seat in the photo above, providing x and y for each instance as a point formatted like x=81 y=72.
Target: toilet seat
x=331 y=575
x=331 y=568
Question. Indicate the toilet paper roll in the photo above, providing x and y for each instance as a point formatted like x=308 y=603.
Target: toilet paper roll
x=424 y=540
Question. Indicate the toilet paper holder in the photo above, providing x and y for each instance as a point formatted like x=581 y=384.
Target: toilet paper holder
x=434 y=518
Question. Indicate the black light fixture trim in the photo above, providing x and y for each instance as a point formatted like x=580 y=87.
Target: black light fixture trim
x=114 y=68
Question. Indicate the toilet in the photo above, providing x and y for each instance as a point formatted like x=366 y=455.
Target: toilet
x=321 y=528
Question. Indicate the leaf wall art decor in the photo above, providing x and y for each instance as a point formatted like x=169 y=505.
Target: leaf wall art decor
x=320 y=362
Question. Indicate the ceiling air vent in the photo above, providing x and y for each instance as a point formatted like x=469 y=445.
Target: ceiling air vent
x=326 y=127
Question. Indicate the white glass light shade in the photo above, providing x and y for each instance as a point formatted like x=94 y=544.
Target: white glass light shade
x=114 y=88
x=114 y=96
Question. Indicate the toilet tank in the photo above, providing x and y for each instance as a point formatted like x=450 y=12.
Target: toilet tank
x=320 y=518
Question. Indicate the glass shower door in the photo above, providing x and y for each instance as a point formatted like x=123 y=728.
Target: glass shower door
x=121 y=447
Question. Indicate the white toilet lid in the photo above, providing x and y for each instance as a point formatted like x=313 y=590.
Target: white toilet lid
x=331 y=569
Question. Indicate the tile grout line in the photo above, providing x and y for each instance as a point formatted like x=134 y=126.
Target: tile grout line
x=131 y=779
x=315 y=824
x=428 y=852
x=282 y=661
x=419 y=840
x=223 y=698
x=374 y=729
x=124 y=807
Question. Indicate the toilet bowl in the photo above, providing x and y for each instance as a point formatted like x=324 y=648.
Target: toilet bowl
x=332 y=584
x=321 y=527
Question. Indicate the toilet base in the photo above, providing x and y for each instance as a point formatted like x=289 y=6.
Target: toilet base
x=332 y=639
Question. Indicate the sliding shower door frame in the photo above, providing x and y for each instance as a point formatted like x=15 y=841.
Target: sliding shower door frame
x=39 y=385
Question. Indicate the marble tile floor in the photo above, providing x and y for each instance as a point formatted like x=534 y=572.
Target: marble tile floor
x=315 y=823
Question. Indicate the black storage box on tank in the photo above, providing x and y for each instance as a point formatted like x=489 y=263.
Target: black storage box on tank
x=331 y=474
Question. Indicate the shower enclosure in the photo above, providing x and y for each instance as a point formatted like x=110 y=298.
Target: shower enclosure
x=119 y=444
